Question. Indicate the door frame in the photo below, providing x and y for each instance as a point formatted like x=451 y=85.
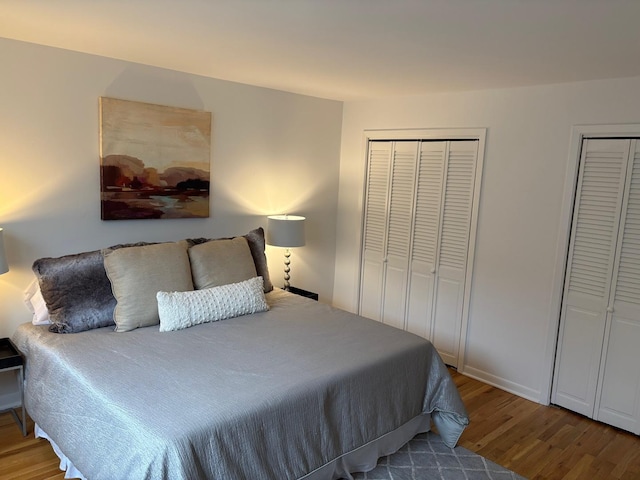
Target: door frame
x=578 y=134
x=478 y=134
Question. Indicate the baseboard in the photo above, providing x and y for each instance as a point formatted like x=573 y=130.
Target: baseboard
x=501 y=383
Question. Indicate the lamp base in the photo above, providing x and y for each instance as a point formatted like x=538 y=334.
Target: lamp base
x=287 y=269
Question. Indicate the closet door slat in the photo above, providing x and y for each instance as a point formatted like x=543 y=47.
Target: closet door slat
x=401 y=199
x=456 y=218
x=375 y=222
x=598 y=207
x=628 y=282
x=428 y=196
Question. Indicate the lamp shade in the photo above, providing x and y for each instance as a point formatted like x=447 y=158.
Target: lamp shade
x=285 y=231
x=4 y=266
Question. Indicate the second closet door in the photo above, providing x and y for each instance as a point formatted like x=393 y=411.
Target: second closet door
x=589 y=270
x=597 y=371
x=619 y=384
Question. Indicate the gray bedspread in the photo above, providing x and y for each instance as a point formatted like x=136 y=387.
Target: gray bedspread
x=274 y=395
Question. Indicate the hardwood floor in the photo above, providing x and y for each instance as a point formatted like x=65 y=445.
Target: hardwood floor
x=535 y=441
x=25 y=458
x=541 y=442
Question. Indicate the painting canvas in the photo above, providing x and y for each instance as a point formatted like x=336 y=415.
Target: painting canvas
x=154 y=161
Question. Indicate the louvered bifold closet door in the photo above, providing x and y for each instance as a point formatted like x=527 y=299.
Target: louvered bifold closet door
x=375 y=229
x=401 y=200
x=619 y=384
x=453 y=248
x=590 y=261
x=426 y=228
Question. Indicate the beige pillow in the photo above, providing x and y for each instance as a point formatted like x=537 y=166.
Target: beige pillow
x=221 y=262
x=137 y=274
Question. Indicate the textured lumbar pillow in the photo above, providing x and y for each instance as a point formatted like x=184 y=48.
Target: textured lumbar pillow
x=180 y=310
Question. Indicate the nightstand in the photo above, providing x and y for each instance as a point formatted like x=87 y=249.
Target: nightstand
x=10 y=359
x=304 y=293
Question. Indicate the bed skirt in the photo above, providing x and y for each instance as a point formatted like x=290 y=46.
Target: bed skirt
x=362 y=459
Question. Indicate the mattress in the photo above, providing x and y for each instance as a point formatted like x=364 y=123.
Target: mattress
x=284 y=394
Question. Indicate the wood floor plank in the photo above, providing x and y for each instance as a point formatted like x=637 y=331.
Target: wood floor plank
x=537 y=442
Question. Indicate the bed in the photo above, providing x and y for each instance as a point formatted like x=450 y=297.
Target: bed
x=294 y=390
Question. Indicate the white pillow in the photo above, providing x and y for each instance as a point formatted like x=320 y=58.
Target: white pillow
x=180 y=310
x=36 y=304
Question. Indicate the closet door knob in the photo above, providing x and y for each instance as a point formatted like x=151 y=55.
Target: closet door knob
x=610 y=309
x=433 y=270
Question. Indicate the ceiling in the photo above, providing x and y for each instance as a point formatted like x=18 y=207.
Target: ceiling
x=348 y=49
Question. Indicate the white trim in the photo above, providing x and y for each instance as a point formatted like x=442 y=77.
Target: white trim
x=578 y=133
x=427 y=134
x=502 y=384
x=478 y=134
x=364 y=154
x=475 y=206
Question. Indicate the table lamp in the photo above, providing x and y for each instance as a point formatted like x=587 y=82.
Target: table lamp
x=285 y=231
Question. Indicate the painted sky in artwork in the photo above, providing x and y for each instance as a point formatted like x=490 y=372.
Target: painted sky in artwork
x=162 y=137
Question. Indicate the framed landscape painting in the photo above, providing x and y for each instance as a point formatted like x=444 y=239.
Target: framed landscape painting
x=154 y=161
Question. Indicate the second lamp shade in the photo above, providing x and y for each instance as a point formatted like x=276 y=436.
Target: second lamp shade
x=285 y=231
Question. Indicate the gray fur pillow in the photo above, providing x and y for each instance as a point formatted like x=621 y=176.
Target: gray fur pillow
x=77 y=292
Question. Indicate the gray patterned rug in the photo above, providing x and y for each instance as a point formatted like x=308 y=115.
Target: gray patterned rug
x=426 y=458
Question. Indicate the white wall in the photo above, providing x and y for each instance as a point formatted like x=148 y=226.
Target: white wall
x=521 y=232
x=272 y=152
x=275 y=152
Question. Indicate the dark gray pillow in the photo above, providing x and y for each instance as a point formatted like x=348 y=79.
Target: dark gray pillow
x=77 y=292
x=255 y=239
